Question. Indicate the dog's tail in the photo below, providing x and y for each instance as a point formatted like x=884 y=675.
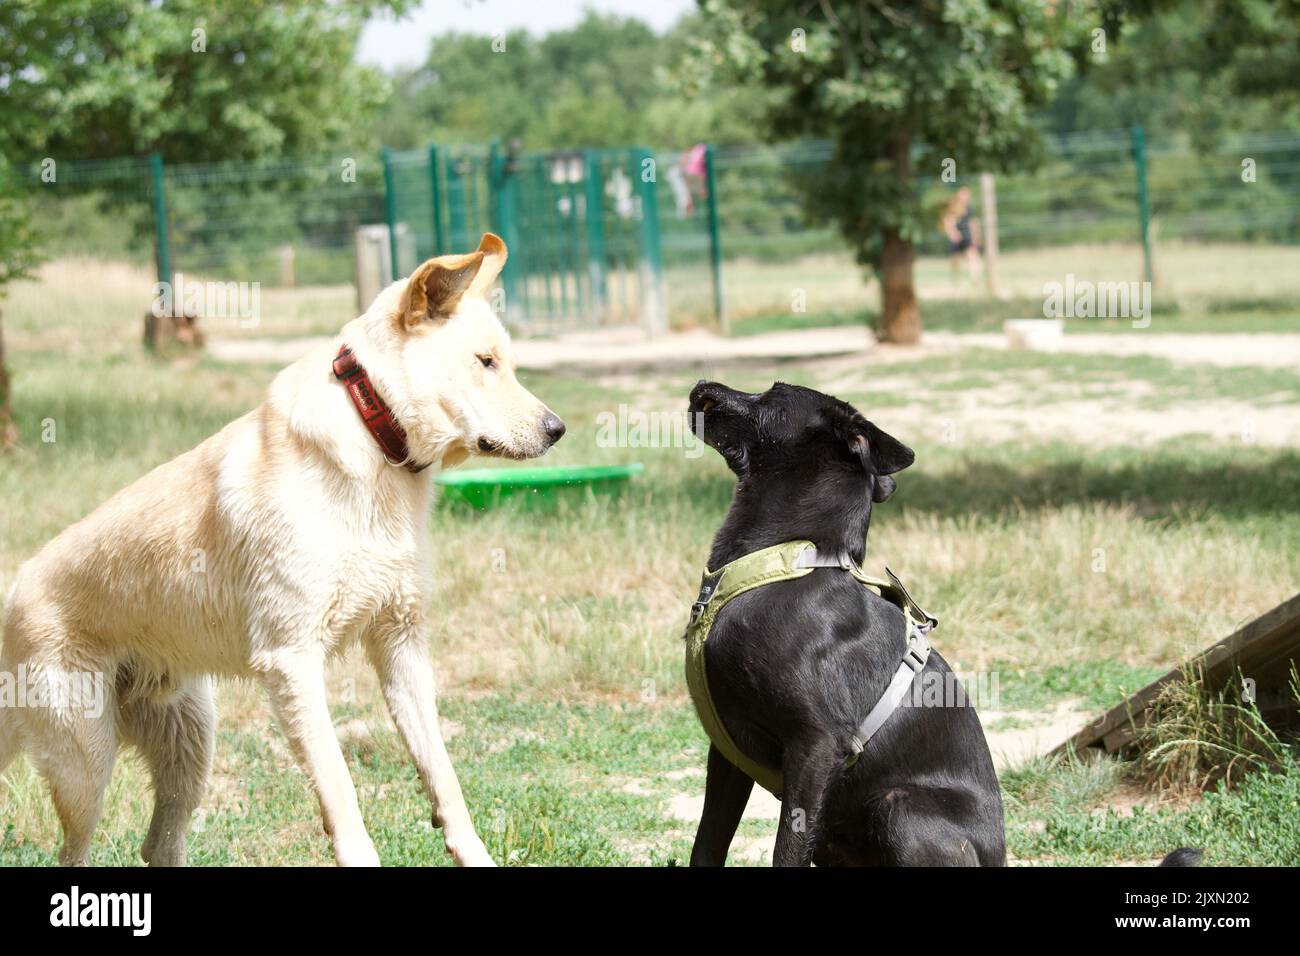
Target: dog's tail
x=1183 y=857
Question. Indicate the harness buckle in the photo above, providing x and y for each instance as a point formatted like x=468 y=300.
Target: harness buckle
x=708 y=588
x=917 y=653
x=697 y=610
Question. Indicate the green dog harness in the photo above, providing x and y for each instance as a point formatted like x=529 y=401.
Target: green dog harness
x=784 y=562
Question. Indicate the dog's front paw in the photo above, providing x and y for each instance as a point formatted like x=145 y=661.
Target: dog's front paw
x=355 y=853
x=163 y=856
x=469 y=852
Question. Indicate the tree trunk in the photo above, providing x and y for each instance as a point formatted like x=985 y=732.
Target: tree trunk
x=8 y=430
x=901 y=317
x=901 y=321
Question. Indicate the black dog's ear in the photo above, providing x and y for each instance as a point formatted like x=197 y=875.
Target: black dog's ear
x=887 y=452
x=880 y=452
x=881 y=455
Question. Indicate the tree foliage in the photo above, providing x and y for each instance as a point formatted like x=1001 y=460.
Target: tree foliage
x=607 y=81
x=91 y=79
x=85 y=79
x=17 y=256
x=194 y=81
x=1199 y=69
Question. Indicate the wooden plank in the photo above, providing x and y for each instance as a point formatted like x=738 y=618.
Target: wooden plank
x=1264 y=649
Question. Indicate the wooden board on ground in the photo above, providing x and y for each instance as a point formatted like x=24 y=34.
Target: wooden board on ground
x=1265 y=651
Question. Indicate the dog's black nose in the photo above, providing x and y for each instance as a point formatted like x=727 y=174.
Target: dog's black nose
x=553 y=427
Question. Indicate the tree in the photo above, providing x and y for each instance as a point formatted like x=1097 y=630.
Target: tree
x=195 y=81
x=1200 y=69
x=17 y=256
x=588 y=85
x=1258 y=44
x=898 y=88
x=607 y=81
x=89 y=79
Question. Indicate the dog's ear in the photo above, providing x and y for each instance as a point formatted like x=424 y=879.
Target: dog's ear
x=436 y=287
x=494 y=260
x=881 y=455
x=888 y=454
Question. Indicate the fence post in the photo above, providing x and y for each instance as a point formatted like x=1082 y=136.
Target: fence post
x=504 y=210
x=162 y=243
x=715 y=239
x=390 y=212
x=989 y=215
x=652 y=272
x=435 y=202
x=594 y=210
x=1144 y=208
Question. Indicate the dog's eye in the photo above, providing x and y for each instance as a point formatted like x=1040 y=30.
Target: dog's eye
x=488 y=361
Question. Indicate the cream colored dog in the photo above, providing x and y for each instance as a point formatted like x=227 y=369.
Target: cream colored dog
x=279 y=541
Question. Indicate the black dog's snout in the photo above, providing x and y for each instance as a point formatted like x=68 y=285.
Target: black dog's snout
x=706 y=390
x=553 y=426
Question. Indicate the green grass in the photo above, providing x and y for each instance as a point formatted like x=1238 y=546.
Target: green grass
x=1055 y=814
x=589 y=784
x=549 y=783
x=1097 y=684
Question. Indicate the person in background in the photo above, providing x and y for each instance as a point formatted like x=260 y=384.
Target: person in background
x=962 y=230
x=694 y=163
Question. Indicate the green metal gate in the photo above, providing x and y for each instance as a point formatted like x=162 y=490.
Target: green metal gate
x=587 y=248
x=438 y=201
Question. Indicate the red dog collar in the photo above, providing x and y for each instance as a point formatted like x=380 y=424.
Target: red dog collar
x=374 y=413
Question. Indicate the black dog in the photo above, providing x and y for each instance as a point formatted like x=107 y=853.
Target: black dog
x=794 y=666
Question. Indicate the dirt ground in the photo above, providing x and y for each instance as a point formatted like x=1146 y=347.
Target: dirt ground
x=1038 y=407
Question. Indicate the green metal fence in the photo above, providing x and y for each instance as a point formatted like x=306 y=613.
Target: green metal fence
x=218 y=219
x=105 y=207
x=239 y=220
x=1124 y=205
x=441 y=197
x=1086 y=190
x=590 y=232
x=633 y=235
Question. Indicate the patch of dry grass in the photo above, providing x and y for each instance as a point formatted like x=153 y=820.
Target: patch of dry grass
x=1185 y=272
x=1194 y=738
x=84 y=306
